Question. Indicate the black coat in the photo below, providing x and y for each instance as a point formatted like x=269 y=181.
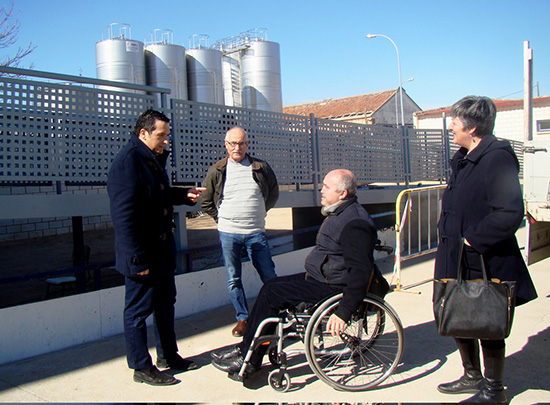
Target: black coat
x=343 y=254
x=141 y=209
x=483 y=203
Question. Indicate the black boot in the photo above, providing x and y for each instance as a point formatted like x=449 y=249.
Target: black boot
x=492 y=391
x=471 y=381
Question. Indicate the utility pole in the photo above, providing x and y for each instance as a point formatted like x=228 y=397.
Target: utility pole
x=527 y=92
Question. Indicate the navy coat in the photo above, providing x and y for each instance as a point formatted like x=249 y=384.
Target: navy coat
x=483 y=203
x=343 y=254
x=141 y=209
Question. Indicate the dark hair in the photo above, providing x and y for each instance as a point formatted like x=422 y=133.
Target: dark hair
x=147 y=120
x=475 y=111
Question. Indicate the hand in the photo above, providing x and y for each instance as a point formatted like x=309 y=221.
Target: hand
x=335 y=325
x=194 y=193
x=144 y=273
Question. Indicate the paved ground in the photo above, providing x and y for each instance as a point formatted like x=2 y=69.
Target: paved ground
x=97 y=372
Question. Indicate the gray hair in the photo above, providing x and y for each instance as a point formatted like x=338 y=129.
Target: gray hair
x=347 y=181
x=476 y=112
x=235 y=128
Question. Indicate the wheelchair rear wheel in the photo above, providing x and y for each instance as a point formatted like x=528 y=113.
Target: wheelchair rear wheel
x=364 y=355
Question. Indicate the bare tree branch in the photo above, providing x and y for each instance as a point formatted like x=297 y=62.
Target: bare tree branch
x=9 y=32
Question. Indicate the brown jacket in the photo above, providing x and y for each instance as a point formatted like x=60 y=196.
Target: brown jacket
x=214 y=182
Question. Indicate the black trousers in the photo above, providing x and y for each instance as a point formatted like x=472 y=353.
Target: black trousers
x=279 y=294
x=154 y=294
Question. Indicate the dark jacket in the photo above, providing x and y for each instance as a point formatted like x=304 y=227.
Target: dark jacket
x=483 y=203
x=141 y=209
x=215 y=181
x=343 y=255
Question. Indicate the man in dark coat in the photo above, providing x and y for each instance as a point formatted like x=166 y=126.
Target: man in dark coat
x=141 y=210
x=341 y=261
x=483 y=204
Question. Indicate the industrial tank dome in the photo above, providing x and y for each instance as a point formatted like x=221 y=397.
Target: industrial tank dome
x=120 y=58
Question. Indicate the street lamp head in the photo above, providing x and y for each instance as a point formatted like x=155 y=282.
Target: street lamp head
x=371 y=36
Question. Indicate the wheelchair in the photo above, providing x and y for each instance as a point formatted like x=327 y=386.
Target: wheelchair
x=360 y=358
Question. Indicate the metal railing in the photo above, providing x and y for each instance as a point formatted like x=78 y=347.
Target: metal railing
x=417 y=212
x=70 y=128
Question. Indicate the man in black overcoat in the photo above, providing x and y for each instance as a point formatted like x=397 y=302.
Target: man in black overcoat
x=141 y=210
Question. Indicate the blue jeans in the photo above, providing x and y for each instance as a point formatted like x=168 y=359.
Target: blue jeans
x=259 y=254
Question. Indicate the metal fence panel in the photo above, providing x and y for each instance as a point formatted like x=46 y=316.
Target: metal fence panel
x=62 y=132
x=518 y=149
x=417 y=213
x=199 y=130
x=427 y=155
x=374 y=154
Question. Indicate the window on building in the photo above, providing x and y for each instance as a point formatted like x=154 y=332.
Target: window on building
x=543 y=125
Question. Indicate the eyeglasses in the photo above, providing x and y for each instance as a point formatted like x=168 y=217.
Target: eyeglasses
x=234 y=144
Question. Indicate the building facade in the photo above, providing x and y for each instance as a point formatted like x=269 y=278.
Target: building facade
x=509 y=121
x=381 y=108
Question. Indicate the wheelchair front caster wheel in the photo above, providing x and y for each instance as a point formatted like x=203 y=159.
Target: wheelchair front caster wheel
x=273 y=358
x=279 y=380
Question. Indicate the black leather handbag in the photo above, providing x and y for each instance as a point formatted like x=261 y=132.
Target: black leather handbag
x=481 y=309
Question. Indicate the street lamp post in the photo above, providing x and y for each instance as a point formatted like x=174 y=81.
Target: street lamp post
x=370 y=36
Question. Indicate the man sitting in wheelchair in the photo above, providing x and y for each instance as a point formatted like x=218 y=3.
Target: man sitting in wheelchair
x=342 y=261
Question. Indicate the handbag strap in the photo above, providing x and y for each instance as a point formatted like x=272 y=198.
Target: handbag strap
x=461 y=267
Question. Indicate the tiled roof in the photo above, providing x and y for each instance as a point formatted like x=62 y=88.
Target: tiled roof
x=345 y=106
x=500 y=104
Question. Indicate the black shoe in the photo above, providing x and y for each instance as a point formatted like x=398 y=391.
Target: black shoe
x=234 y=365
x=153 y=376
x=224 y=354
x=492 y=392
x=466 y=384
x=231 y=365
x=176 y=363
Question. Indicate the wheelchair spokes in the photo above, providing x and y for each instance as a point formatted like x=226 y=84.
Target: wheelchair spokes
x=364 y=355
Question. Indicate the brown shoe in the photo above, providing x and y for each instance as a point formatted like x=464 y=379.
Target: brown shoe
x=238 y=330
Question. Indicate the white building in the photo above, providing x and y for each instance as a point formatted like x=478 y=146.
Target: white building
x=509 y=121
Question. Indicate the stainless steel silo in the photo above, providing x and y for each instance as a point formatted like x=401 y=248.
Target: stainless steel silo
x=231 y=69
x=204 y=75
x=166 y=67
x=261 y=76
x=120 y=58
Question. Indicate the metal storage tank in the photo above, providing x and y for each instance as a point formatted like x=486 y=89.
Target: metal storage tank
x=231 y=69
x=166 y=66
x=261 y=77
x=120 y=58
x=204 y=75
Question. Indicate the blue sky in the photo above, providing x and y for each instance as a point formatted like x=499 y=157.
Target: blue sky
x=450 y=48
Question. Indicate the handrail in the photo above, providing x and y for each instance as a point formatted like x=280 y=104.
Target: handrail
x=80 y=79
x=400 y=222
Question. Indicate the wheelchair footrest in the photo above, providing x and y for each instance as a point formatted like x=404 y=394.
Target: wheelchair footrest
x=235 y=377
